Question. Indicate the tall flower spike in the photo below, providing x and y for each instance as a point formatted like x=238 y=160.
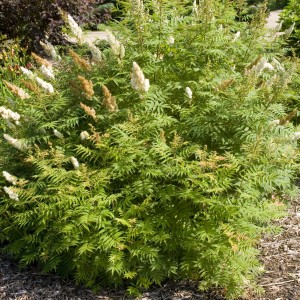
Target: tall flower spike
x=96 y=53
x=10 y=178
x=41 y=61
x=260 y=65
x=58 y=134
x=277 y=65
x=290 y=30
x=139 y=5
x=138 y=80
x=109 y=101
x=171 y=40
x=84 y=135
x=50 y=50
x=87 y=87
x=236 y=36
x=80 y=62
x=116 y=46
x=16 y=90
x=75 y=29
x=31 y=86
x=11 y=194
x=195 y=8
x=15 y=143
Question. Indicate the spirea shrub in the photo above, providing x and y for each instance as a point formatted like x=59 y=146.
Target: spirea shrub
x=165 y=153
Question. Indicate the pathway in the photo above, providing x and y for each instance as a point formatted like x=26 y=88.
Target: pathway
x=273 y=19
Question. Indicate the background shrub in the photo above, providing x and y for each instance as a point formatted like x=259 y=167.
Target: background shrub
x=290 y=16
x=272 y=4
x=32 y=21
x=122 y=186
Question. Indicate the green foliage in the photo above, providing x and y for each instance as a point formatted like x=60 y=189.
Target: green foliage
x=290 y=17
x=272 y=4
x=168 y=184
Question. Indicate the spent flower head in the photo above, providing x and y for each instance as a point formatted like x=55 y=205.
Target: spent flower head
x=16 y=90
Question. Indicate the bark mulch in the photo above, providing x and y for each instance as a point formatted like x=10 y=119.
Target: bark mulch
x=280 y=255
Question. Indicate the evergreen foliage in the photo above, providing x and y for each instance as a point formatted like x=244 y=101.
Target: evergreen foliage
x=121 y=184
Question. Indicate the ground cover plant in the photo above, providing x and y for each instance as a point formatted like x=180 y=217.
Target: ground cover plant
x=163 y=153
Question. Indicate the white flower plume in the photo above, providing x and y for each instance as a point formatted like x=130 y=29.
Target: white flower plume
x=74 y=162
x=11 y=194
x=10 y=178
x=138 y=80
x=188 y=92
x=15 y=143
x=47 y=72
x=50 y=50
x=47 y=87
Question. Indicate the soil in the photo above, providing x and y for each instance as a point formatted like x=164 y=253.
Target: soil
x=280 y=255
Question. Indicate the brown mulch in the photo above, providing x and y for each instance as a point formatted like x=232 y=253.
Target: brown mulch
x=280 y=255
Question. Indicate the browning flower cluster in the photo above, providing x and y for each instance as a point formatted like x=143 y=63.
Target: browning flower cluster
x=16 y=90
x=80 y=62
x=31 y=86
x=86 y=87
x=41 y=61
x=109 y=101
x=89 y=111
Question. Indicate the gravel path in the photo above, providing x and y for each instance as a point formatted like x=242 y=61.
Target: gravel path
x=273 y=19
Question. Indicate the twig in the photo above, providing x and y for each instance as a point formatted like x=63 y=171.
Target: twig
x=277 y=283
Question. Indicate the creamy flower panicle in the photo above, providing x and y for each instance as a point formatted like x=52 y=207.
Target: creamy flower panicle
x=138 y=80
x=50 y=50
x=10 y=178
x=84 y=135
x=8 y=114
x=75 y=29
x=58 y=134
x=11 y=194
x=47 y=72
x=74 y=162
x=15 y=143
x=47 y=87
x=116 y=46
x=29 y=74
x=188 y=92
